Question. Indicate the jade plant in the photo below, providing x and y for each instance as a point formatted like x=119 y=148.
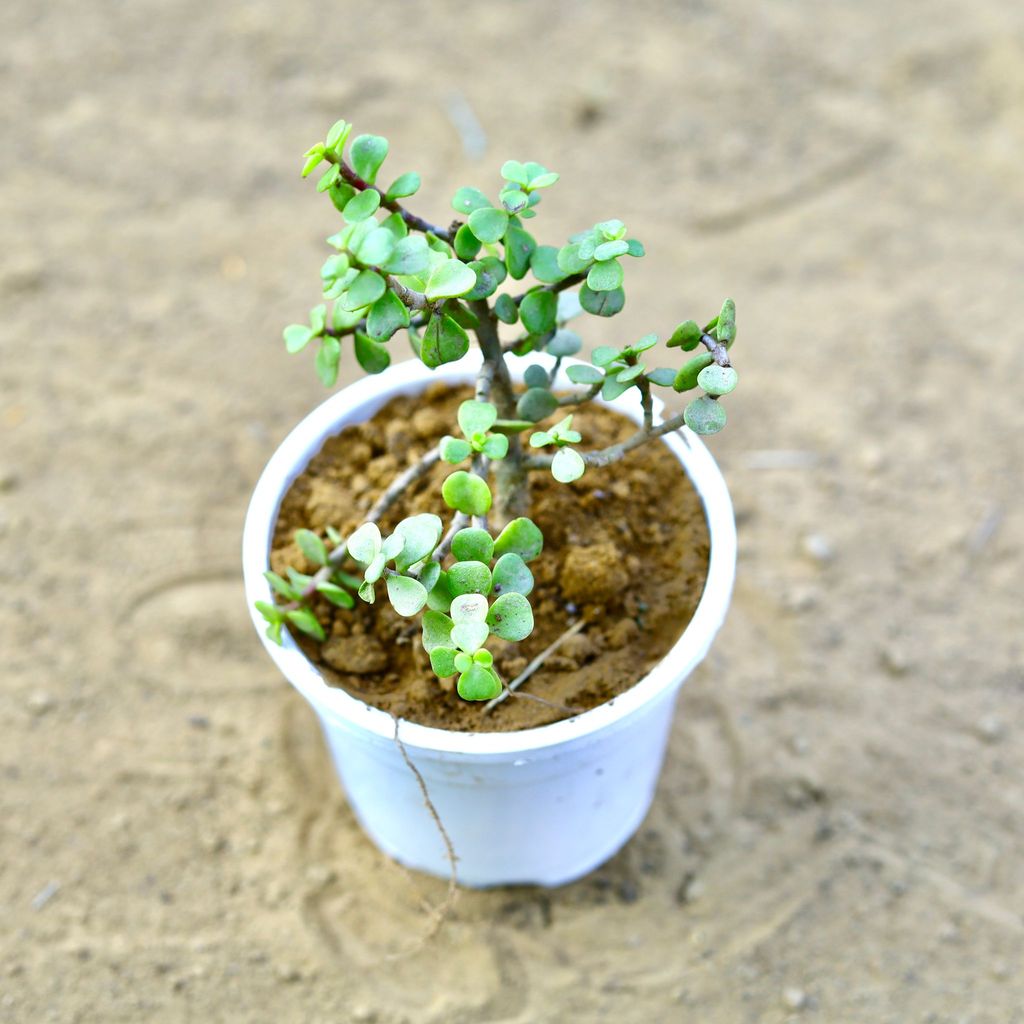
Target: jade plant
x=389 y=272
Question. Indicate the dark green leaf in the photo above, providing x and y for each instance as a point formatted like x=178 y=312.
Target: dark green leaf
x=686 y=378
x=490 y=272
x=727 y=323
x=635 y=247
x=535 y=376
x=584 y=375
x=512 y=575
x=478 y=683
x=472 y=544
x=371 y=356
x=505 y=309
x=444 y=341
x=564 y=343
x=365 y=290
x=544 y=264
x=686 y=336
x=519 y=247
x=469 y=578
x=387 y=315
x=537 y=311
x=602 y=303
x=536 y=404
x=466 y=244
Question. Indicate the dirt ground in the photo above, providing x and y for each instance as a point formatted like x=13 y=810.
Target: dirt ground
x=837 y=835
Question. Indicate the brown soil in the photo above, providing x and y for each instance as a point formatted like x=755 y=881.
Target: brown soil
x=625 y=548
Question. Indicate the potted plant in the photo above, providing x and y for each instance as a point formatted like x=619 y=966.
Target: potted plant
x=453 y=579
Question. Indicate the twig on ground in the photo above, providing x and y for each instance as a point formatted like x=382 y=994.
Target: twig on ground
x=534 y=665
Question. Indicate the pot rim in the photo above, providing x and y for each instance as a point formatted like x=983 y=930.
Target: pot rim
x=307 y=437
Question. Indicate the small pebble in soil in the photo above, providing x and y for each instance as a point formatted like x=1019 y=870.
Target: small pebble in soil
x=39 y=703
x=818 y=548
x=990 y=729
x=894 y=659
x=794 y=998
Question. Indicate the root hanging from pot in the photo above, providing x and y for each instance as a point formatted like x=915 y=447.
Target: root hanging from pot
x=441 y=913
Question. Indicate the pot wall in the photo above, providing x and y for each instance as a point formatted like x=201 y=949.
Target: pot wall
x=542 y=806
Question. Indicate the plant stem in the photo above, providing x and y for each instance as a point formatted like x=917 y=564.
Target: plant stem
x=416 y=223
x=558 y=286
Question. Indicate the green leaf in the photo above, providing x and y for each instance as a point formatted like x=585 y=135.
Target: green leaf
x=361 y=206
x=365 y=290
x=444 y=341
x=704 y=415
x=570 y=261
x=407 y=184
x=584 y=374
x=536 y=404
x=462 y=314
x=466 y=493
x=512 y=575
x=429 y=574
x=371 y=355
x=365 y=543
x=648 y=341
x=437 y=630
x=387 y=315
x=341 y=192
x=407 y=596
x=297 y=337
x=367 y=592
x=469 y=636
x=519 y=247
x=274 y=614
x=490 y=272
x=330 y=176
x=568 y=465
x=488 y=224
x=327 y=359
x=726 y=330
x=469 y=578
x=450 y=279
x=513 y=170
x=421 y=534
x=336 y=595
x=469 y=608
x=610 y=229
x=514 y=199
x=544 y=180
x=283 y=587
x=305 y=620
x=314 y=158
x=717 y=380
x=564 y=343
x=605 y=277
x=604 y=355
x=311 y=546
x=544 y=264
x=411 y=256
x=476 y=417
x=630 y=373
x=634 y=247
x=686 y=378
x=273 y=632
x=473 y=545
x=505 y=309
x=338 y=134
x=609 y=250
x=496 y=446
x=442 y=661
x=602 y=303
x=466 y=244
x=535 y=376
x=541 y=438
x=367 y=154
x=612 y=388
x=521 y=536
x=454 y=449
x=478 y=683
x=537 y=311
x=686 y=336
x=440 y=599
x=376 y=247
x=468 y=199
x=663 y=376
x=393 y=547
x=511 y=617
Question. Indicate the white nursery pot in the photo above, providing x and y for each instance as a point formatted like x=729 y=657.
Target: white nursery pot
x=544 y=805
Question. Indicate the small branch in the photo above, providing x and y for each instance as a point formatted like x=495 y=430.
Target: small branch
x=411 y=298
x=582 y=397
x=534 y=665
x=417 y=321
x=568 y=709
x=490 y=345
x=459 y=522
x=717 y=349
x=395 y=490
x=646 y=404
x=416 y=223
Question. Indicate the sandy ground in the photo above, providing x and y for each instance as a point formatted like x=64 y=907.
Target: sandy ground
x=837 y=833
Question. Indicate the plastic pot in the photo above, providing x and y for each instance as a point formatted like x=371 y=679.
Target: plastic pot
x=544 y=805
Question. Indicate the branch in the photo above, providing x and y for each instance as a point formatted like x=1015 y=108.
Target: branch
x=413 y=299
x=417 y=321
x=395 y=490
x=558 y=286
x=581 y=397
x=416 y=223
x=716 y=348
